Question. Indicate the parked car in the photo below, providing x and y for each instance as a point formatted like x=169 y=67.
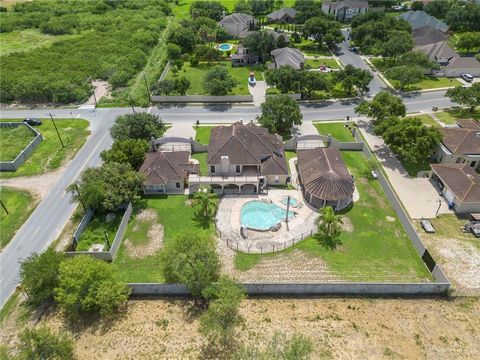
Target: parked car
x=374 y=174
x=427 y=226
x=33 y=121
x=467 y=77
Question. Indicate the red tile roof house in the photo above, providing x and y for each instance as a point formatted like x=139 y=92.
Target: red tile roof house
x=460 y=145
x=243 y=159
x=460 y=185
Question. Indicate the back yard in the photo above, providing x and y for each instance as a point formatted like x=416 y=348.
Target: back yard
x=450 y=116
x=100 y=228
x=316 y=63
x=374 y=246
x=336 y=129
x=50 y=155
x=14 y=140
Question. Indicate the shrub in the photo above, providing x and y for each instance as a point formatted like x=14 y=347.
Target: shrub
x=137 y=126
x=218 y=81
x=43 y=344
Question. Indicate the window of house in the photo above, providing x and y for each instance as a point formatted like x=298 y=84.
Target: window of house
x=473 y=163
x=177 y=185
x=212 y=169
x=237 y=169
x=277 y=179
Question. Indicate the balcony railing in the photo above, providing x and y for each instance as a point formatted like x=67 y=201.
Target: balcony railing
x=196 y=179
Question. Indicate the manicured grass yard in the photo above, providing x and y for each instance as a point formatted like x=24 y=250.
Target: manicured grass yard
x=427 y=120
x=337 y=130
x=95 y=231
x=309 y=48
x=376 y=249
x=315 y=63
x=450 y=116
x=13 y=141
x=20 y=205
x=202 y=158
x=50 y=155
x=202 y=134
x=175 y=216
x=196 y=73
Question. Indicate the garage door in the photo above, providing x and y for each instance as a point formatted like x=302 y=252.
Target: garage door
x=449 y=196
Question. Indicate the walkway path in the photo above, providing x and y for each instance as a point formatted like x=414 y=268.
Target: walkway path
x=258 y=92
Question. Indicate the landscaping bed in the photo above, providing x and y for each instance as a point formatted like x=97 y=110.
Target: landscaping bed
x=202 y=159
x=374 y=246
x=175 y=215
x=338 y=131
x=13 y=141
x=50 y=155
x=202 y=134
x=20 y=204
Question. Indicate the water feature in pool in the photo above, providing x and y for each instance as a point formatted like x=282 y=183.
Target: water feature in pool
x=225 y=47
x=293 y=201
x=258 y=215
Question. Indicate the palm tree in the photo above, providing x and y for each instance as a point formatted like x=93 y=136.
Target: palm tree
x=329 y=224
x=206 y=201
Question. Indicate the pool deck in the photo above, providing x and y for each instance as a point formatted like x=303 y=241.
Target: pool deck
x=228 y=223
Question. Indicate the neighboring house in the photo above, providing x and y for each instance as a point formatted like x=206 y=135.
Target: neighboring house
x=243 y=158
x=418 y=19
x=460 y=145
x=324 y=178
x=167 y=172
x=460 y=185
x=279 y=36
x=284 y=15
x=243 y=57
x=344 y=10
x=439 y=52
x=428 y=34
x=237 y=23
x=287 y=57
x=462 y=65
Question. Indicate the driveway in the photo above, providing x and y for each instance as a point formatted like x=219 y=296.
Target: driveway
x=258 y=92
x=418 y=195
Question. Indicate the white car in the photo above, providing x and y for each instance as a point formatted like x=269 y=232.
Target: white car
x=374 y=174
x=467 y=77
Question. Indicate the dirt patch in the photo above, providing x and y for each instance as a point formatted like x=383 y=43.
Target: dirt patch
x=154 y=235
x=188 y=202
x=102 y=89
x=347 y=225
x=39 y=185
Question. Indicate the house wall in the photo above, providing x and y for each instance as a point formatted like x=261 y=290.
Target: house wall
x=282 y=180
x=459 y=72
x=169 y=188
x=442 y=157
x=467 y=208
x=230 y=170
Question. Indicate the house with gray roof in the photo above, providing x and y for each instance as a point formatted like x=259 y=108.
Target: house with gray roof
x=439 y=52
x=284 y=15
x=460 y=185
x=428 y=34
x=287 y=57
x=324 y=178
x=461 y=65
x=166 y=172
x=238 y=23
x=344 y=10
x=418 y=19
x=460 y=144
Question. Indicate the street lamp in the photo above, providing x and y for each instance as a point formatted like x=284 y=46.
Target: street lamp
x=439 y=205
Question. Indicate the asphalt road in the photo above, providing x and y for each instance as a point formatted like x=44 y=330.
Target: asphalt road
x=48 y=219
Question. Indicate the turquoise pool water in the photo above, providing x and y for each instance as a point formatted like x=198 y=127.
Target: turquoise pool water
x=225 y=47
x=293 y=201
x=262 y=216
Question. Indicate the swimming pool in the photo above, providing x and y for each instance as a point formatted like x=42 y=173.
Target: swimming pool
x=293 y=201
x=225 y=47
x=258 y=215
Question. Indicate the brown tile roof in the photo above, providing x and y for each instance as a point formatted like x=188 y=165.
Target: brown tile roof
x=461 y=179
x=162 y=167
x=463 y=140
x=324 y=174
x=248 y=145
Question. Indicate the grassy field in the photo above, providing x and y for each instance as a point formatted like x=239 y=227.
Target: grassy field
x=337 y=130
x=450 y=116
x=95 y=231
x=377 y=249
x=309 y=48
x=202 y=134
x=195 y=75
x=20 y=205
x=426 y=119
x=202 y=159
x=175 y=216
x=50 y=155
x=14 y=140
x=315 y=63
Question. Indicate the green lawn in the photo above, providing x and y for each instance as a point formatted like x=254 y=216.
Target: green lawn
x=50 y=155
x=195 y=75
x=202 y=158
x=202 y=134
x=309 y=48
x=20 y=205
x=95 y=231
x=450 y=116
x=175 y=216
x=315 y=63
x=337 y=130
x=426 y=119
x=13 y=141
x=376 y=249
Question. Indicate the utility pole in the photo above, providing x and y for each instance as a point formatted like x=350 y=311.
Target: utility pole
x=95 y=99
x=146 y=86
x=131 y=103
x=55 y=125
x=439 y=205
x=80 y=197
x=4 y=208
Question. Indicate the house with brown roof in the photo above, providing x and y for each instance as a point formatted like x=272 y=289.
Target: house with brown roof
x=324 y=178
x=460 y=145
x=166 y=172
x=287 y=57
x=243 y=158
x=460 y=186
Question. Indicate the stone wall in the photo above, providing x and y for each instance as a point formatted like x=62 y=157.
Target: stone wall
x=23 y=155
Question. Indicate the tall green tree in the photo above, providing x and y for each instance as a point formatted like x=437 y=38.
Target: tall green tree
x=39 y=275
x=311 y=81
x=405 y=75
x=206 y=202
x=468 y=40
x=286 y=79
x=191 y=259
x=468 y=96
x=218 y=82
x=354 y=78
x=261 y=43
x=279 y=114
x=396 y=44
x=382 y=106
x=43 y=344
x=131 y=151
x=323 y=31
x=211 y=9
x=140 y=125
x=329 y=224
x=89 y=285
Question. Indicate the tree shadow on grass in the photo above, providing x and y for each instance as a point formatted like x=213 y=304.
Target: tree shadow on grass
x=328 y=242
